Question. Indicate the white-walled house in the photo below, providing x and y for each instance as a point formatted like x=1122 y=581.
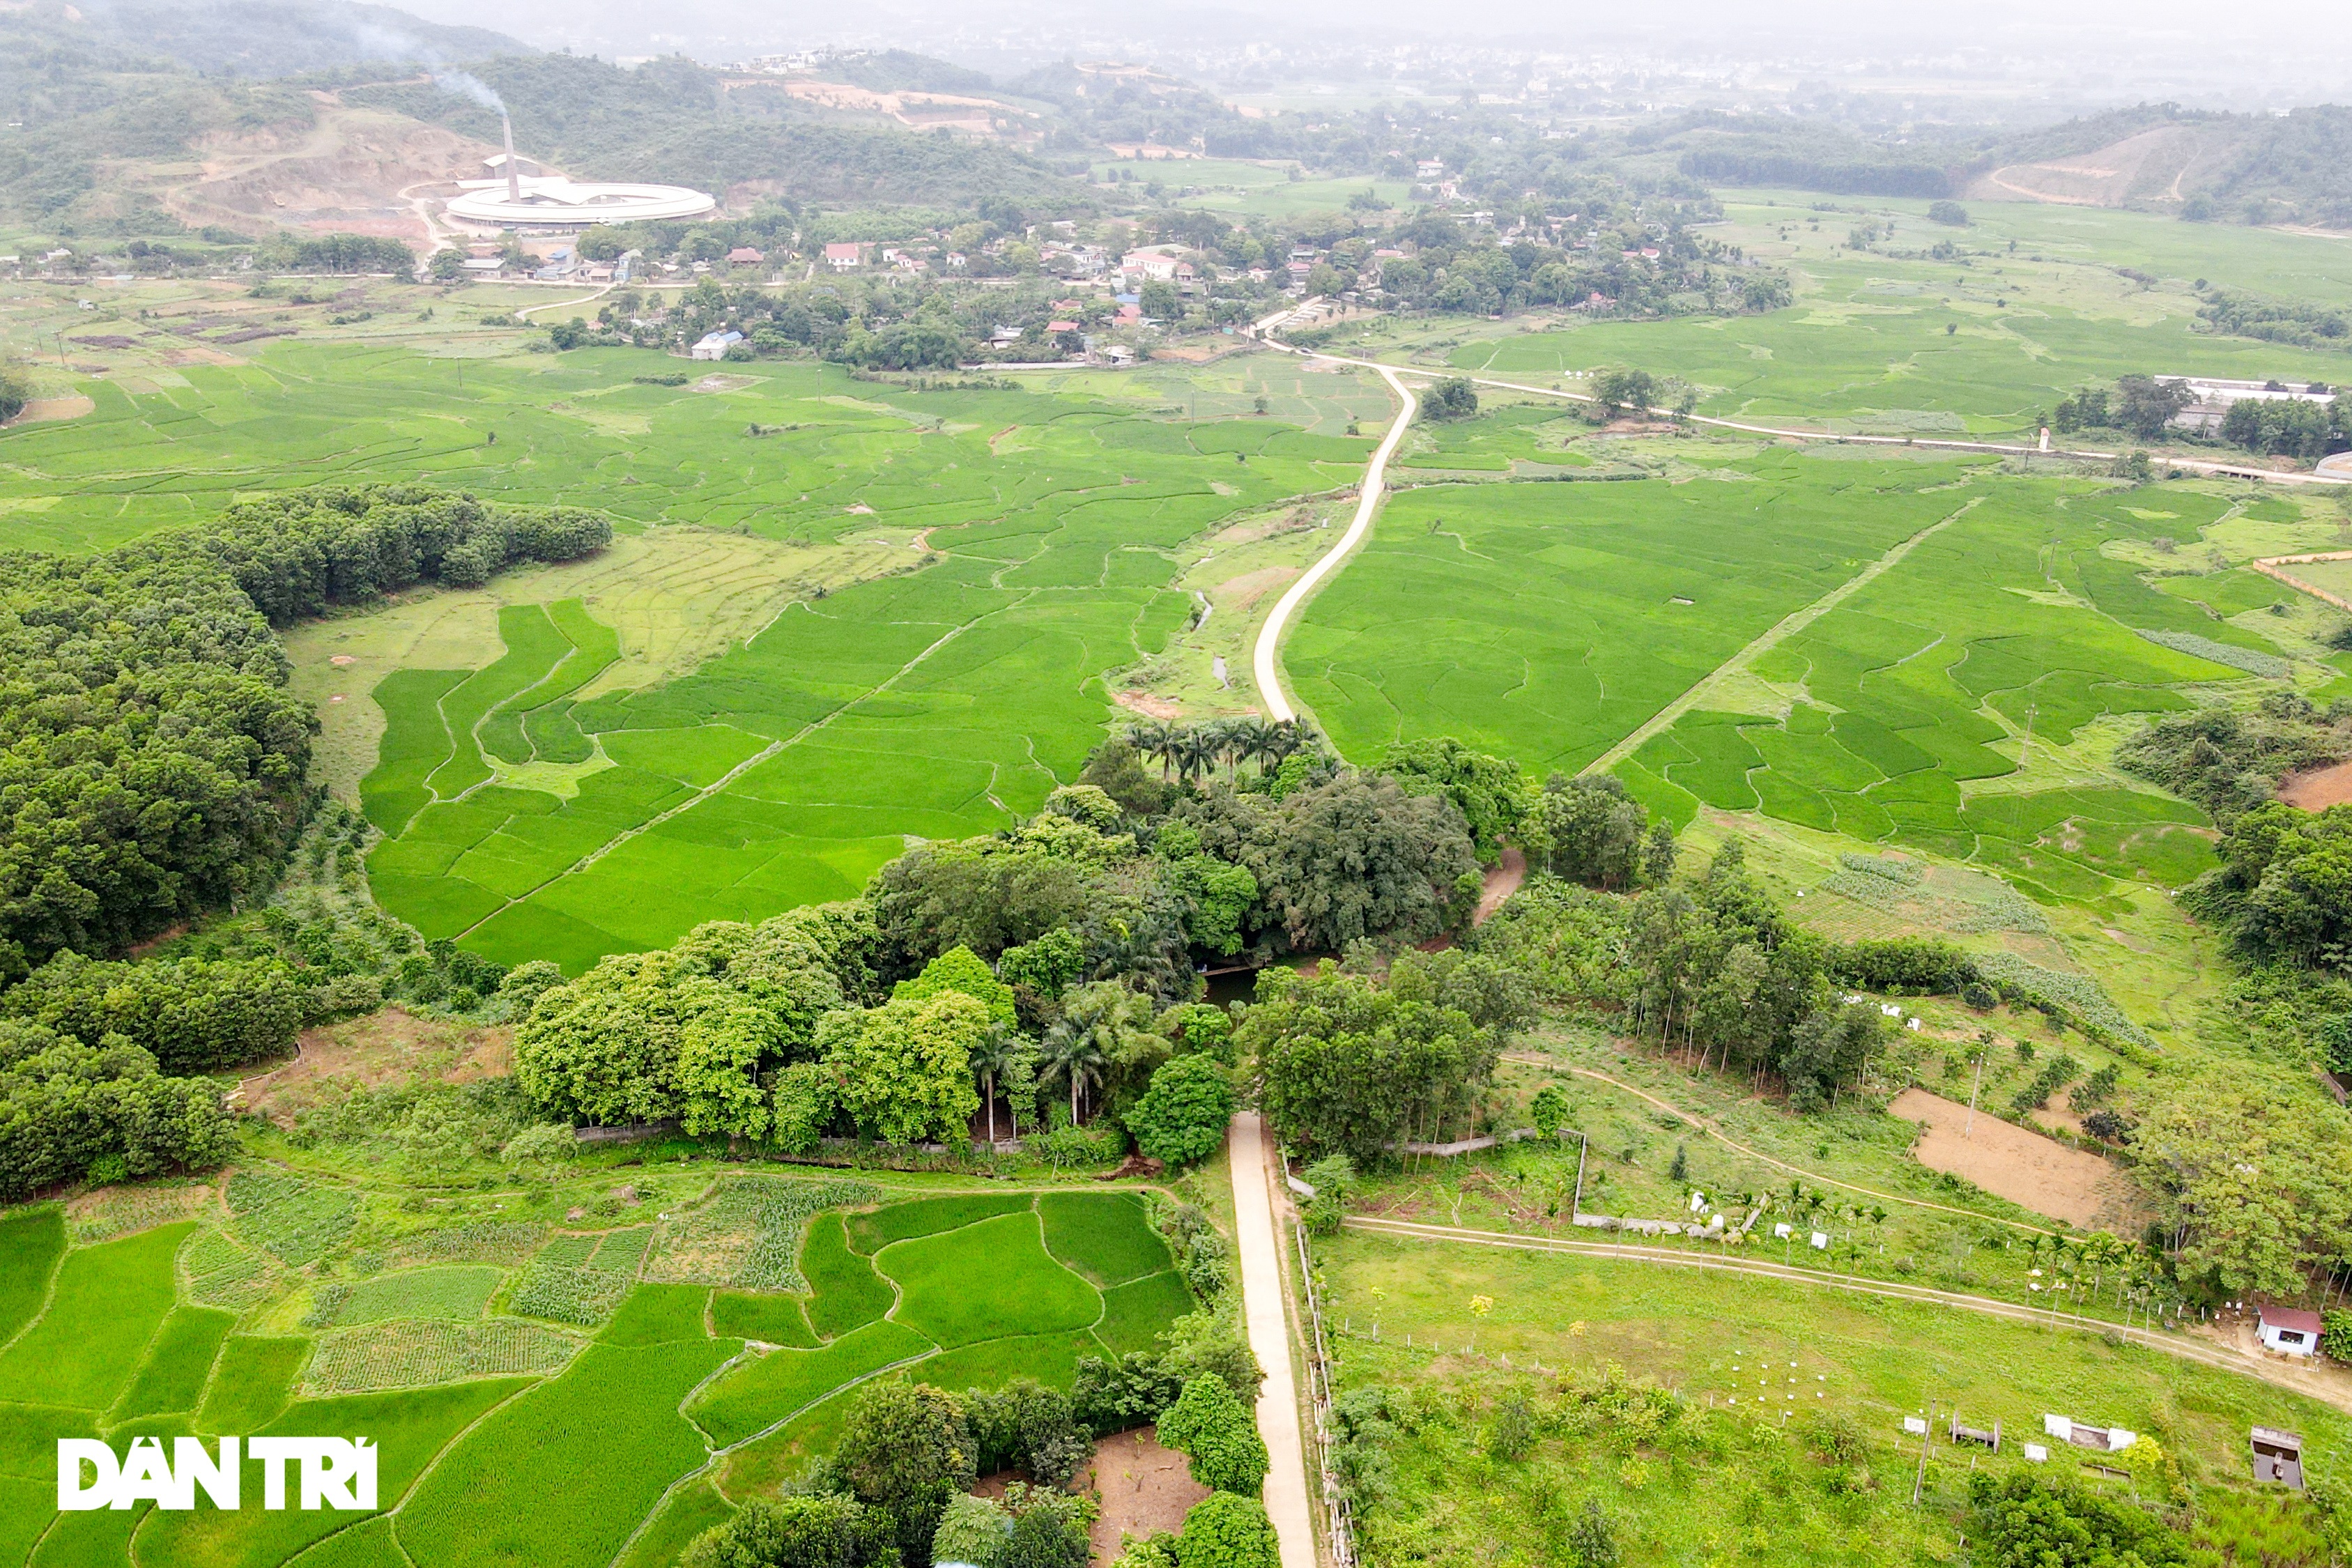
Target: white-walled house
x=2290 y=1330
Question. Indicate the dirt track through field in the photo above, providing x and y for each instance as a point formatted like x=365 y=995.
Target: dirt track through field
x=2321 y=1383
x=2029 y=1169
x=1782 y=630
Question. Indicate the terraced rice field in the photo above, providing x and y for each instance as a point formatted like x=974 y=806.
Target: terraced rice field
x=472 y=1406
x=592 y=780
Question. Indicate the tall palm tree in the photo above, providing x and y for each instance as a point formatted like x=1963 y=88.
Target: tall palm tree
x=1195 y=751
x=1252 y=743
x=1073 y=1052
x=1152 y=741
x=1284 y=737
x=991 y=1053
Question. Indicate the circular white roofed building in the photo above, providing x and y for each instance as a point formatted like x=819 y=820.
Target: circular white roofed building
x=550 y=203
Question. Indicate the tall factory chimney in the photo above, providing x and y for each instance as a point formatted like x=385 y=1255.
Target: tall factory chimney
x=514 y=181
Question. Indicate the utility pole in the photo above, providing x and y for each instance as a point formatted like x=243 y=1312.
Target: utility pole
x=1974 y=1090
x=1921 y=1481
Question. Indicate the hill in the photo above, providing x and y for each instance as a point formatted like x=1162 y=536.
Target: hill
x=2237 y=167
x=247 y=38
x=673 y=121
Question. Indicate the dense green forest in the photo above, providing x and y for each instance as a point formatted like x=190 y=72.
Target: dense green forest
x=151 y=760
x=670 y=120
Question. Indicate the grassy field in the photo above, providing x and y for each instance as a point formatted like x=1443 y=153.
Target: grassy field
x=744 y=719
x=1894 y=341
x=1752 y=1379
x=1545 y=621
x=431 y=1363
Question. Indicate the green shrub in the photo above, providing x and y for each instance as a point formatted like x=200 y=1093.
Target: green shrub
x=1216 y=1431
x=795 y=1533
x=1182 y=1116
x=972 y=1529
x=2029 y=1518
x=1028 y=1426
x=906 y=1449
x=1227 y=1530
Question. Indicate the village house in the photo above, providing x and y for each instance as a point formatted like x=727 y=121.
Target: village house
x=845 y=256
x=2290 y=1330
x=744 y=256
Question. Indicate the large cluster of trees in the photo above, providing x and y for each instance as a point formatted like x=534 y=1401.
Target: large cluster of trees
x=2144 y=407
x=2141 y=405
x=2024 y=1518
x=894 y=1493
x=2290 y=427
x=2297 y=322
x=103 y=1109
x=151 y=761
x=2284 y=887
x=1351 y=1063
x=1742 y=150
x=1578 y=259
x=1713 y=966
x=894 y=1490
x=1052 y=967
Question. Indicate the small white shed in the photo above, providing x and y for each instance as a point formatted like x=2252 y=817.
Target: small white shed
x=2290 y=1330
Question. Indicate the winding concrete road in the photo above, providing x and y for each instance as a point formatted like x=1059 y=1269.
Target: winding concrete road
x=1265 y=1308
x=1265 y=663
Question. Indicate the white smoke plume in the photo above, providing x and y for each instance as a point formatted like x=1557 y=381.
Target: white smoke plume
x=467 y=84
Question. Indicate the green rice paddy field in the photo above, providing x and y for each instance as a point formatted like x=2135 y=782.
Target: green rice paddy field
x=1904 y=345
x=942 y=698
x=634 y=1363
x=1863 y=644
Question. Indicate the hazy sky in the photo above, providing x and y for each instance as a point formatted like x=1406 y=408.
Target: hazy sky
x=2271 y=51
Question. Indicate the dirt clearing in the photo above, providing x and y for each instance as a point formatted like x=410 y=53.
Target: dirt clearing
x=1144 y=1488
x=392 y=1046
x=2316 y=789
x=2037 y=1172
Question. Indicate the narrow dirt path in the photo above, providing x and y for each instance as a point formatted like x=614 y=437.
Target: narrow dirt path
x=1504 y=881
x=2004 y=448
x=2336 y=1391
x=1265 y=661
x=1265 y=1308
x=1787 y=626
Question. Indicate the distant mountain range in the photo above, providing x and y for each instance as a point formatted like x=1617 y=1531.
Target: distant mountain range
x=250 y=37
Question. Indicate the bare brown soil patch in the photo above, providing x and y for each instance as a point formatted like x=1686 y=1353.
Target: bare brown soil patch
x=2151 y=165
x=40 y=410
x=2316 y=789
x=2033 y=1172
x=1242 y=594
x=1501 y=882
x=1137 y=700
x=392 y=1046
x=1145 y=1488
